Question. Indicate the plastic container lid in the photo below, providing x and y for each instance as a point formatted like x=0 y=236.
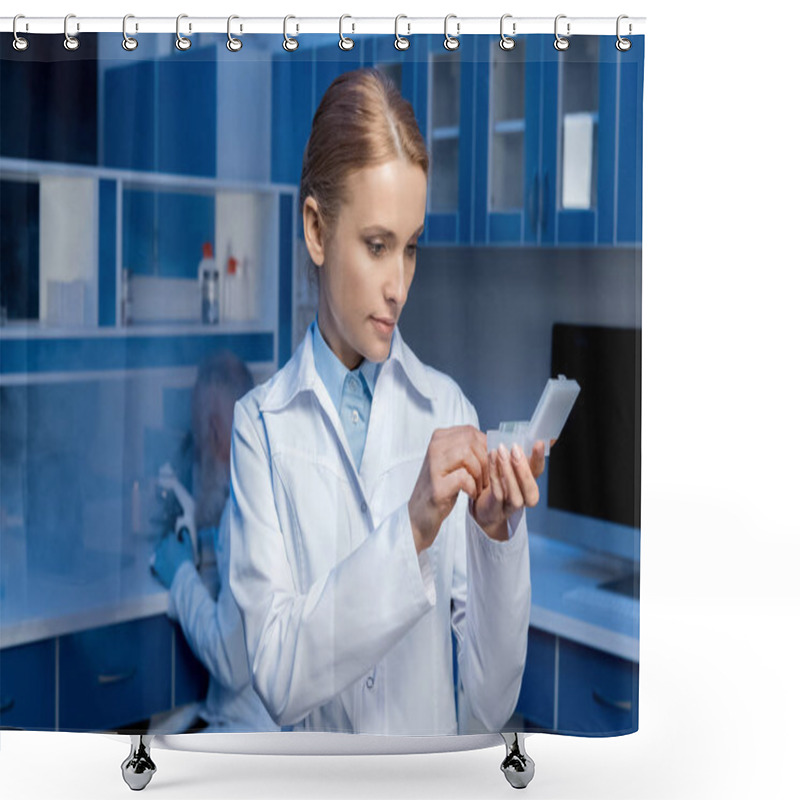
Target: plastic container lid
x=208 y=250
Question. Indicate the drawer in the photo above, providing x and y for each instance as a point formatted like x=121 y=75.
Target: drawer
x=537 y=696
x=113 y=676
x=598 y=693
x=28 y=686
x=191 y=677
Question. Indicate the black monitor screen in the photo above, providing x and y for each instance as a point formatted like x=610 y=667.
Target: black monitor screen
x=595 y=467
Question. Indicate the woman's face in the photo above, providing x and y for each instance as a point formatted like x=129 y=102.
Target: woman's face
x=367 y=264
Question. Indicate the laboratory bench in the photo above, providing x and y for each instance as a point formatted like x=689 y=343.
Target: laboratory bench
x=95 y=649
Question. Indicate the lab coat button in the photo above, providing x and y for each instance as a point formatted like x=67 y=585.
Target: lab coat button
x=355 y=417
x=370 y=682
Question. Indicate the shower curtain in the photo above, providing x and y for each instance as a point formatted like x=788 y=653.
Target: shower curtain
x=182 y=548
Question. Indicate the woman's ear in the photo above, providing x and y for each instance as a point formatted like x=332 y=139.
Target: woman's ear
x=312 y=228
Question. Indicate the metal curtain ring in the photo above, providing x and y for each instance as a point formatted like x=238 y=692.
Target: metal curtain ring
x=70 y=42
x=289 y=43
x=623 y=44
x=400 y=42
x=181 y=42
x=233 y=44
x=345 y=43
x=451 y=42
x=128 y=42
x=20 y=42
x=506 y=42
x=560 y=42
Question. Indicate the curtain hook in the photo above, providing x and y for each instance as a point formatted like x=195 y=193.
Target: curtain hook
x=70 y=42
x=400 y=42
x=561 y=43
x=451 y=42
x=344 y=42
x=506 y=42
x=623 y=44
x=128 y=42
x=233 y=44
x=181 y=42
x=20 y=42
x=289 y=43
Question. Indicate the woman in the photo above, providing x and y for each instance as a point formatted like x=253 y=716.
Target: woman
x=352 y=537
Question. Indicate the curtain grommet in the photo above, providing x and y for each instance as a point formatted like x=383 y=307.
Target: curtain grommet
x=289 y=44
x=71 y=43
x=507 y=42
x=233 y=44
x=561 y=43
x=401 y=42
x=182 y=42
x=20 y=43
x=129 y=43
x=451 y=42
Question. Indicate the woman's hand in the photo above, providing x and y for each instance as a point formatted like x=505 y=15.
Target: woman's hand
x=456 y=460
x=512 y=485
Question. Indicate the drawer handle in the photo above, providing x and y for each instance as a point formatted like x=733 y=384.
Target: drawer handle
x=620 y=705
x=118 y=678
x=6 y=705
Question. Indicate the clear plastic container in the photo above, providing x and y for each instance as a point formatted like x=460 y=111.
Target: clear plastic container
x=547 y=422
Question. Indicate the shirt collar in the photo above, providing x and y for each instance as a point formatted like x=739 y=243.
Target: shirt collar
x=333 y=372
x=300 y=373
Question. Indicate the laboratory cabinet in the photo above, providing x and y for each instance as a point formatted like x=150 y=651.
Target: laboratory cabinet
x=104 y=678
x=28 y=686
x=563 y=115
x=572 y=688
x=146 y=128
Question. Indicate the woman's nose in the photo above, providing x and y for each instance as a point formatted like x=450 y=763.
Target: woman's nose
x=396 y=290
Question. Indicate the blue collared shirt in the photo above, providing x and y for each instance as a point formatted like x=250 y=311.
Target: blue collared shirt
x=350 y=390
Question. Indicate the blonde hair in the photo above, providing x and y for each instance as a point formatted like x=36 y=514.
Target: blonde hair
x=361 y=121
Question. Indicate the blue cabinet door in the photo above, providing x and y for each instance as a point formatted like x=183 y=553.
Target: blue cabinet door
x=191 y=676
x=186 y=125
x=598 y=694
x=582 y=78
x=629 y=172
x=292 y=112
x=537 y=695
x=28 y=686
x=116 y=675
x=507 y=163
x=444 y=101
x=129 y=117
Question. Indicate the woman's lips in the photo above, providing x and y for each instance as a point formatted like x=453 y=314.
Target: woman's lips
x=383 y=326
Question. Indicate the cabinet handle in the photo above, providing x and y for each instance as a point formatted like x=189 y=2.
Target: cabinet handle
x=6 y=705
x=620 y=705
x=118 y=678
x=535 y=205
x=545 y=200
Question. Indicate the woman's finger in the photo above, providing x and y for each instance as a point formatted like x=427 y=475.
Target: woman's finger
x=527 y=483
x=461 y=454
x=513 y=493
x=537 y=459
x=460 y=480
x=494 y=478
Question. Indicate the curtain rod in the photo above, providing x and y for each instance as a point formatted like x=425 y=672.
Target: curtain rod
x=407 y=26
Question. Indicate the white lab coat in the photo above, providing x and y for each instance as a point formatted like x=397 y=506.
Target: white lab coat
x=213 y=630
x=346 y=628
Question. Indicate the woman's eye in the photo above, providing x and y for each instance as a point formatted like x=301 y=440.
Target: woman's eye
x=374 y=247
x=412 y=248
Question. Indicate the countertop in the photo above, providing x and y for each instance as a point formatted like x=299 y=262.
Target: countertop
x=108 y=588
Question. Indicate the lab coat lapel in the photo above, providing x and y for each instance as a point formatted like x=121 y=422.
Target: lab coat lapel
x=300 y=375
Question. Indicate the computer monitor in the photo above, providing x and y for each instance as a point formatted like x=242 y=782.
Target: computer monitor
x=594 y=470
